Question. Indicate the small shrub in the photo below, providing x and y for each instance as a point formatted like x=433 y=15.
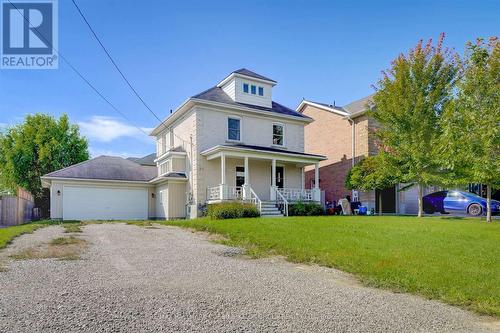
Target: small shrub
x=232 y=210
x=305 y=209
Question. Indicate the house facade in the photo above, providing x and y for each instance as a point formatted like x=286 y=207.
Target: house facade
x=230 y=142
x=342 y=134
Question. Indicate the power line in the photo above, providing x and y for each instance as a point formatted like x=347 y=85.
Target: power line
x=127 y=81
x=77 y=71
x=113 y=61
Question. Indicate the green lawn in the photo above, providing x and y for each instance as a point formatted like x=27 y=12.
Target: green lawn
x=9 y=233
x=453 y=260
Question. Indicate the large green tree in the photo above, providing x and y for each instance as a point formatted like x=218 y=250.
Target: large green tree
x=40 y=145
x=373 y=173
x=471 y=124
x=409 y=99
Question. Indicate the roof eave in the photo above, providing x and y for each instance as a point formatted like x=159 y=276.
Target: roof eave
x=305 y=102
x=232 y=75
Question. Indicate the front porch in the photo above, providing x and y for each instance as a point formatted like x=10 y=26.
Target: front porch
x=259 y=177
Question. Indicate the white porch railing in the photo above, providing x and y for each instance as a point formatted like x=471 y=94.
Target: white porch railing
x=281 y=202
x=254 y=198
x=224 y=192
x=297 y=194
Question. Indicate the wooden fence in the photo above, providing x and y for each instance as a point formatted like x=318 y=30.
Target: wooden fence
x=16 y=210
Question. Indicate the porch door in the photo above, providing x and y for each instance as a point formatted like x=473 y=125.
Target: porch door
x=240 y=176
x=280 y=177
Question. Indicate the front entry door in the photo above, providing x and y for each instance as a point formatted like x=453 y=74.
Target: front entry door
x=280 y=177
x=240 y=176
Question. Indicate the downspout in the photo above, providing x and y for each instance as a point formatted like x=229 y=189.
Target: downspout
x=353 y=148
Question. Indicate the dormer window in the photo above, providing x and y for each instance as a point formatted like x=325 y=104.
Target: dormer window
x=245 y=88
x=253 y=89
x=234 y=129
x=261 y=91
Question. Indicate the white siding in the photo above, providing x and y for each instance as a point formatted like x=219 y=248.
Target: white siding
x=229 y=89
x=255 y=130
x=249 y=98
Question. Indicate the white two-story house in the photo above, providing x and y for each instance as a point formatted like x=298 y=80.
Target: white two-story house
x=230 y=142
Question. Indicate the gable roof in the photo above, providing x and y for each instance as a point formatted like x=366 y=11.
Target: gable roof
x=107 y=168
x=359 y=105
x=352 y=109
x=244 y=71
x=146 y=160
x=216 y=94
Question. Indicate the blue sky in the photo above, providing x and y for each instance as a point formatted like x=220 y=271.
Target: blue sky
x=321 y=50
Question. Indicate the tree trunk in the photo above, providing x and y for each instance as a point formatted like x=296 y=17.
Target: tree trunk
x=380 y=202
x=488 y=203
x=420 y=203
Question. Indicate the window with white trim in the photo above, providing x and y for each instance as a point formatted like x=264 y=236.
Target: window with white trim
x=234 y=129
x=165 y=167
x=278 y=134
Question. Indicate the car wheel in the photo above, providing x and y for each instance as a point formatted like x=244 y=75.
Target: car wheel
x=475 y=210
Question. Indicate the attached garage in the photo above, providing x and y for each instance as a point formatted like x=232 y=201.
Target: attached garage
x=102 y=203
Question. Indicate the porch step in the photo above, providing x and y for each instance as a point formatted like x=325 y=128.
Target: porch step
x=269 y=209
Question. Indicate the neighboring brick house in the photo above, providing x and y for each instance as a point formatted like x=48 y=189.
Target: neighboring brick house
x=339 y=133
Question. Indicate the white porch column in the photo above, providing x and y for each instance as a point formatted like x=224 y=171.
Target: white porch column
x=246 y=186
x=317 y=193
x=223 y=176
x=302 y=178
x=273 y=180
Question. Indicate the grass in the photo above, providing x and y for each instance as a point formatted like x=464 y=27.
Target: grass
x=453 y=260
x=63 y=248
x=9 y=233
x=72 y=228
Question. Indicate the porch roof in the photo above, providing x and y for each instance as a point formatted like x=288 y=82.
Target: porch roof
x=240 y=150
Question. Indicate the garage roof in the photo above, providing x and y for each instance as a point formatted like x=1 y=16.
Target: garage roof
x=107 y=168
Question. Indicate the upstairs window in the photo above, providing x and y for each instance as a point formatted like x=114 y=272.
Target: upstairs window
x=253 y=89
x=261 y=91
x=234 y=129
x=245 y=88
x=165 y=168
x=278 y=134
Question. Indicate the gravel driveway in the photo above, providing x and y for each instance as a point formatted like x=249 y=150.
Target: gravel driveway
x=136 y=279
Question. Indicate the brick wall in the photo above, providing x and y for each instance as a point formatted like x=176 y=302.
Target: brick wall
x=330 y=134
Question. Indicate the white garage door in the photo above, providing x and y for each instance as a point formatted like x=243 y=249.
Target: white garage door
x=100 y=203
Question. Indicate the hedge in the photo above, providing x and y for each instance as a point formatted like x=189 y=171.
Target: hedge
x=305 y=209
x=232 y=210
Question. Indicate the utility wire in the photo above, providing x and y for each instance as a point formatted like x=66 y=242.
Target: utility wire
x=127 y=81
x=78 y=72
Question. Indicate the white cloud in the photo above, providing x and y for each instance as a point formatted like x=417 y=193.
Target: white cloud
x=94 y=152
x=107 y=129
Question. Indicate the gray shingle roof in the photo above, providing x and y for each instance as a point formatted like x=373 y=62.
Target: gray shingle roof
x=146 y=160
x=216 y=94
x=247 y=72
x=359 y=105
x=108 y=168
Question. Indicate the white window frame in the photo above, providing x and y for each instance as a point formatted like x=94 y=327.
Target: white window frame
x=251 y=93
x=284 y=136
x=168 y=167
x=263 y=91
x=243 y=87
x=227 y=128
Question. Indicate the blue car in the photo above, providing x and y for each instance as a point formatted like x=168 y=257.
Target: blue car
x=446 y=202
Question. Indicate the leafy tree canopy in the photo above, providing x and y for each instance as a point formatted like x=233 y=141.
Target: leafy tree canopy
x=40 y=145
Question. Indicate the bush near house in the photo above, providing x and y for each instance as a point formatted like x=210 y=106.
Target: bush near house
x=232 y=210
x=305 y=209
